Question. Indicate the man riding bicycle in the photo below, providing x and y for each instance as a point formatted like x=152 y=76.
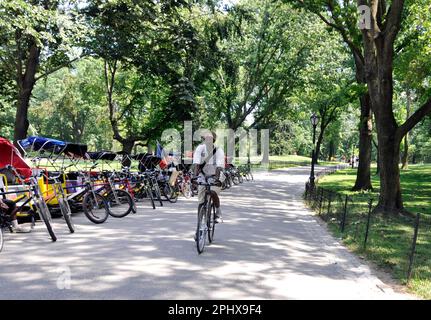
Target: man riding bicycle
x=8 y=207
x=209 y=161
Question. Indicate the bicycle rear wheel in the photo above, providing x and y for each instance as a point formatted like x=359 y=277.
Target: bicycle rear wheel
x=186 y=190
x=150 y=196
x=95 y=207
x=123 y=206
x=157 y=194
x=169 y=193
x=250 y=175
x=67 y=214
x=45 y=216
x=201 y=229
x=145 y=193
x=229 y=182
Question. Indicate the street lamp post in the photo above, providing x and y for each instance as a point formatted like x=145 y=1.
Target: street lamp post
x=314 y=121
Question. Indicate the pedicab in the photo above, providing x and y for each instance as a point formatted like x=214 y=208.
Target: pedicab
x=10 y=156
x=51 y=176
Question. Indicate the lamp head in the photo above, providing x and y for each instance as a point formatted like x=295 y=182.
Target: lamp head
x=314 y=119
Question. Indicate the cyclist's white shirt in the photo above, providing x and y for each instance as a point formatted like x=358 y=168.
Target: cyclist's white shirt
x=201 y=153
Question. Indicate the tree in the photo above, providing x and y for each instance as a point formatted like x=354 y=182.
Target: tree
x=136 y=104
x=258 y=66
x=379 y=51
x=342 y=18
x=327 y=85
x=36 y=37
x=412 y=66
x=70 y=105
x=156 y=47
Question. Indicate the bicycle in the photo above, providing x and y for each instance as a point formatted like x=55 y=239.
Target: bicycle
x=35 y=200
x=125 y=184
x=167 y=190
x=120 y=202
x=142 y=188
x=60 y=195
x=154 y=185
x=4 y=223
x=94 y=205
x=227 y=183
x=185 y=184
x=206 y=214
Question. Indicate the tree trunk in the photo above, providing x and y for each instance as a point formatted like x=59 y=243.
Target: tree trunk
x=390 y=200
x=378 y=158
x=25 y=84
x=379 y=53
x=363 y=175
x=21 y=118
x=127 y=146
x=405 y=159
x=331 y=151
x=319 y=145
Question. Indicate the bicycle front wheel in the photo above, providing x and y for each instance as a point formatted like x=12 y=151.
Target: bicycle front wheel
x=45 y=216
x=1 y=238
x=67 y=214
x=211 y=221
x=121 y=205
x=201 y=229
x=95 y=207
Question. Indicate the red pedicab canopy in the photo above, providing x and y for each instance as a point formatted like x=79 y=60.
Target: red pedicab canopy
x=9 y=155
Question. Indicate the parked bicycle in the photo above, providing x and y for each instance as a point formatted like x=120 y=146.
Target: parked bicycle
x=60 y=195
x=34 y=199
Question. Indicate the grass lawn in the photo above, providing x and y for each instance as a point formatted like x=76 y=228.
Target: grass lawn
x=277 y=162
x=390 y=238
x=415 y=185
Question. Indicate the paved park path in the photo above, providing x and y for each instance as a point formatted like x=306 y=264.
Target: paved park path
x=269 y=247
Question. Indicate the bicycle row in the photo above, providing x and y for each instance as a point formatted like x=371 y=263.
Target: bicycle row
x=41 y=192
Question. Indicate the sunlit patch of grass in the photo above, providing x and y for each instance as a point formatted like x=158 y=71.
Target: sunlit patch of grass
x=287 y=161
x=415 y=185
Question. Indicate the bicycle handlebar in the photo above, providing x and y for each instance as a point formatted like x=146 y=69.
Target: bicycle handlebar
x=20 y=177
x=211 y=181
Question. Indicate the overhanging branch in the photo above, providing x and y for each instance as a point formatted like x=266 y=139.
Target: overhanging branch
x=415 y=118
